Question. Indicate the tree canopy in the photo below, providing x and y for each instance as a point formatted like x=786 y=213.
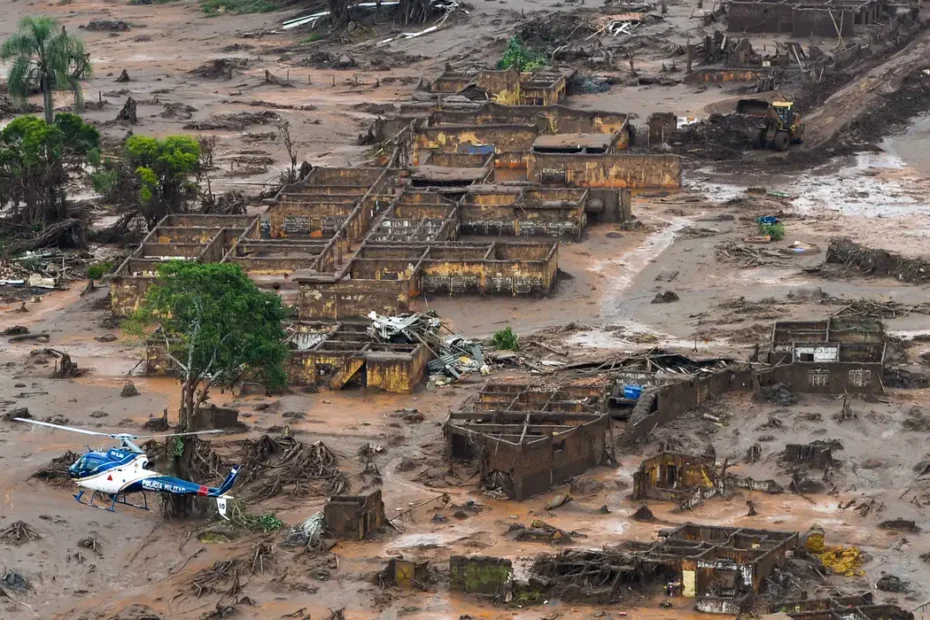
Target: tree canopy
x=34 y=158
x=163 y=168
x=217 y=326
x=45 y=58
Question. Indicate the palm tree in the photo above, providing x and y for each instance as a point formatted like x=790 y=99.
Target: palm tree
x=47 y=58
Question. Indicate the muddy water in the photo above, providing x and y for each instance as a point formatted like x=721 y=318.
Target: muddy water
x=912 y=145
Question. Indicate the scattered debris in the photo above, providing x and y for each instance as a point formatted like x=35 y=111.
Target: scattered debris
x=285 y=465
x=123 y=78
x=665 y=297
x=901 y=525
x=129 y=389
x=453 y=354
x=91 y=543
x=643 y=514
x=236 y=121
x=540 y=531
x=19 y=412
x=779 y=394
x=221 y=68
x=892 y=583
x=557 y=501
x=106 y=25
x=14 y=581
x=128 y=113
x=19 y=533
x=178 y=110
x=851 y=256
x=56 y=472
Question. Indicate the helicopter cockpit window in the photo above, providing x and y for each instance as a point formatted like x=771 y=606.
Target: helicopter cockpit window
x=88 y=463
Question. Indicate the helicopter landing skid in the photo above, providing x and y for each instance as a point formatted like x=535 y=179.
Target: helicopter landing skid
x=117 y=498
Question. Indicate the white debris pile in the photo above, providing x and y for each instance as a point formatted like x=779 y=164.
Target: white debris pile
x=40 y=269
x=445 y=6
x=310 y=533
x=453 y=354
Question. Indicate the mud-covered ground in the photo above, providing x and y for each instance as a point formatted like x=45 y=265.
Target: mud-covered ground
x=692 y=243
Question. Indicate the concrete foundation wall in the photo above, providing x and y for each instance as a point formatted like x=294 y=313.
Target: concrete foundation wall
x=397 y=372
x=755 y=17
x=127 y=293
x=831 y=378
x=811 y=22
x=547 y=119
x=660 y=405
x=609 y=170
x=351 y=298
x=470 y=139
x=480 y=575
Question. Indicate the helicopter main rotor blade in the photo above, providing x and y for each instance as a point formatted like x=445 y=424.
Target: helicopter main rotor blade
x=177 y=434
x=63 y=428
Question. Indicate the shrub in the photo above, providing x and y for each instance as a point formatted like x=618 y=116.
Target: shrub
x=237 y=7
x=98 y=270
x=775 y=231
x=505 y=339
x=520 y=57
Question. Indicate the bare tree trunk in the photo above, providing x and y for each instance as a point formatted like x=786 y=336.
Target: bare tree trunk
x=182 y=505
x=46 y=86
x=338 y=13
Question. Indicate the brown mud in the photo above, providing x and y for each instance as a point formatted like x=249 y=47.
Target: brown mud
x=89 y=563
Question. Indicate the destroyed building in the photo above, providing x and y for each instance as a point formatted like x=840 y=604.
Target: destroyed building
x=204 y=238
x=672 y=476
x=337 y=353
x=354 y=517
x=833 y=356
x=537 y=88
x=817 y=454
x=393 y=354
x=860 y=607
x=688 y=479
x=808 y=18
x=722 y=567
x=525 y=453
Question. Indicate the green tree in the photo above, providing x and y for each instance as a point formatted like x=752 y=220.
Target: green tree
x=35 y=159
x=163 y=169
x=217 y=326
x=45 y=58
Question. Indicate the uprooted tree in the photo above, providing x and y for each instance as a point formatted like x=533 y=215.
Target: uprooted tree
x=36 y=160
x=217 y=327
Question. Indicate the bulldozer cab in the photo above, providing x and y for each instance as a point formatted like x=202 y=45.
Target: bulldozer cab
x=784 y=110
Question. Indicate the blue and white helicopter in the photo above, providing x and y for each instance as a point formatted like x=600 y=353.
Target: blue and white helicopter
x=121 y=471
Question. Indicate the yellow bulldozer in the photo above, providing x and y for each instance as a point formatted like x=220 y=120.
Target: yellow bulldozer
x=780 y=125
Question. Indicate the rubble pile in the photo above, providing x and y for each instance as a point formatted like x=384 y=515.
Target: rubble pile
x=719 y=137
x=19 y=533
x=40 y=269
x=849 y=256
x=453 y=354
x=221 y=68
x=56 y=472
x=277 y=465
x=540 y=531
x=586 y=573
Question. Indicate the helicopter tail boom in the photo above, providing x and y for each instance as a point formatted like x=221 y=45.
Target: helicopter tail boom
x=229 y=481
